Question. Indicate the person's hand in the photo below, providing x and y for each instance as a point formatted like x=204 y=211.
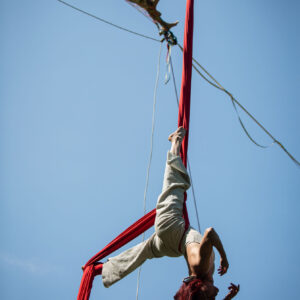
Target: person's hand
x=224 y=265
x=233 y=290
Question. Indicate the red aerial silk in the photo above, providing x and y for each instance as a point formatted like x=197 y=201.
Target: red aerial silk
x=92 y=268
x=185 y=92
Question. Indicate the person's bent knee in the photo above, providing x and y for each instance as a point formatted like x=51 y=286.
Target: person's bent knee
x=160 y=232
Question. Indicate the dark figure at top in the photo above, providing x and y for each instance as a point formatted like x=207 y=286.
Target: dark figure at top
x=150 y=7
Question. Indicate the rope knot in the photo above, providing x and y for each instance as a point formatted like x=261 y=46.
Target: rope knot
x=169 y=37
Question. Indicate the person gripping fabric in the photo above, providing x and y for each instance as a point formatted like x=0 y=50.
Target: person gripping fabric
x=171 y=239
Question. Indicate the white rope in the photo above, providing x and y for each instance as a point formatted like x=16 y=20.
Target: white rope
x=150 y=158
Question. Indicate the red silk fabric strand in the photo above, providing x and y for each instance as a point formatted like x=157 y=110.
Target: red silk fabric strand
x=92 y=268
x=185 y=91
x=186 y=81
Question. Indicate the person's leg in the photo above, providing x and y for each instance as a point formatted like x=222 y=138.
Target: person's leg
x=121 y=265
x=169 y=223
x=169 y=210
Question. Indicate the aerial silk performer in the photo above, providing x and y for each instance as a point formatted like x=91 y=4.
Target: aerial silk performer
x=172 y=239
x=173 y=234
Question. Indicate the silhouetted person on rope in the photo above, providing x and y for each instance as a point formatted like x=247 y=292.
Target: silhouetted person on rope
x=171 y=238
x=150 y=7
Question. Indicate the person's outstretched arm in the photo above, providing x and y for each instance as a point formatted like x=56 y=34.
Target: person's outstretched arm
x=217 y=243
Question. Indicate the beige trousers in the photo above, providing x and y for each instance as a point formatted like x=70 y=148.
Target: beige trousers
x=170 y=238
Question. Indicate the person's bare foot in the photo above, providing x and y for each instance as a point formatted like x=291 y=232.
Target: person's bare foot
x=176 y=139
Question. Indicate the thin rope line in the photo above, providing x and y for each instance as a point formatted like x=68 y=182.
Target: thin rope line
x=219 y=86
x=194 y=196
x=150 y=157
x=235 y=101
x=174 y=82
x=107 y=22
x=234 y=106
x=188 y=162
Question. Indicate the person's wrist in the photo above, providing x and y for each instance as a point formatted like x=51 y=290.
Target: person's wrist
x=224 y=256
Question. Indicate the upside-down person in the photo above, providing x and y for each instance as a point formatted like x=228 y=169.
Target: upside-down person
x=171 y=239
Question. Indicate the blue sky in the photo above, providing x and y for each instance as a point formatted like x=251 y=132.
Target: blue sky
x=76 y=101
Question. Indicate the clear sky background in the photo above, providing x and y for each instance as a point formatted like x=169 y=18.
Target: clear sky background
x=76 y=100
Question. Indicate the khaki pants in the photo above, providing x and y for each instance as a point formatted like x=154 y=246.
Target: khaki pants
x=169 y=238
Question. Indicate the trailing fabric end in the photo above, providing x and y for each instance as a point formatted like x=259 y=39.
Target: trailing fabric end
x=86 y=283
x=89 y=273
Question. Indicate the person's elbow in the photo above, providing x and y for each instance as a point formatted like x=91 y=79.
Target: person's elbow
x=210 y=231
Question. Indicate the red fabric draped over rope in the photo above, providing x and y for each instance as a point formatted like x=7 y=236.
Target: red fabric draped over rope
x=93 y=268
